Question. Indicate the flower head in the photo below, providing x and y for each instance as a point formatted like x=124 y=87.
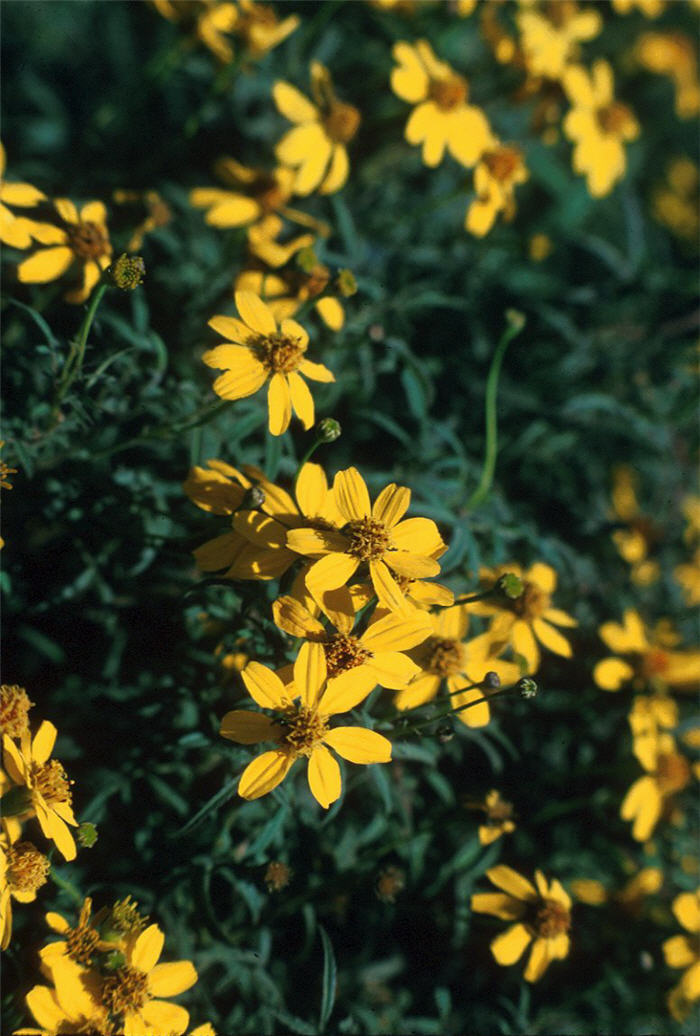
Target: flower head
x=683 y=951
x=640 y=534
x=498 y=817
x=550 y=37
x=316 y=148
x=14 y=711
x=668 y=772
x=71 y=1005
x=284 y=291
x=249 y=197
x=208 y=21
x=17 y=231
x=496 y=176
x=260 y=28
x=23 y=871
x=258 y=351
x=542 y=916
x=442 y=118
x=673 y=54
x=646 y=659
x=301 y=727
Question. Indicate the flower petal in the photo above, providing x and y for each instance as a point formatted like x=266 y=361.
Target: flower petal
x=264 y=774
x=611 y=673
x=511 y=882
x=476 y=715
x=292 y=617
x=44 y=740
x=302 y=400
x=525 y=644
x=418 y=692
x=510 y=946
x=410 y=565
x=386 y=588
x=248 y=728
x=551 y=638
x=316 y=371
x=351 y=495
x=160 y=1016
x=324 y=777
x=312 y=490
x=498 y=904
x=171 y=979
x=232 y=329
x=338 y=170
x=45 y=265
x=264 y=686
x=397 y=631
x=255 y=313
x=147 y=948
x=329 y=572
x=359 y=745
x=392 y=669
x=317 y=542
x=348 y=689
x=292 y=104
x=310 y=672
x=391 y=504
x=538 y=962
x=419 y=535
x=291 y=329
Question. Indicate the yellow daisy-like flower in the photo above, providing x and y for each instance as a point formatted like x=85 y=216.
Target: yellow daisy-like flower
x=208 y=21
x=668 y=772
x=47 y=784
x=550 y=38
x=499 y=817
x=446 y=655
x=641 y=535
x=286 y=291
x=683 y=951
x=23 y=871
x=373 y=535
x=599 y=126
x=673 y=54
x=80 y=943
x=649 y=716
x=133 y=991
x=496 y=176
x=360 y=660
x=316 y=147
x=256 y=546
x=442 y=118
x=529 y=618
x=647 y=660
x=255 y=194
x=80 y=245
x=542 y=916
x=649 y=8
x=260 y=28
x=301 y=728
x=257 y=351
x=17 y=231
x=72 y=1005
x=676 y=204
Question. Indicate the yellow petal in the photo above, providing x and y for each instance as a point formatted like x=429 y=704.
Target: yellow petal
x=66 y=210
x=312 y=490
x=233 y=211
x=524 y=643
x=94 y=212
x=551 y=638
x=279 y=404
x=44 y=740
x=348 y=689
x=351 y=495
x=292 y=617
x=686 y=907
x=476 y=715
x=291 y=329
x=264 y=774
x=543 y=576
x=220 y=552
x=418 y=692
x=302 y=400
x=160 y=1016
x=419 y=535
x=391 y=505
x=498 y=904
x=310 y=673
x=386 y=588
x=559 y=618
x=247 y=728
x=338 y=170
x=233 y=329
x=45 y=265
x=329 y=572
x=538 y=962
x=359 y=745
x=316 y=371
x=331 y=313
x=679 y=952
x=511 y=882
x=611 y=673
x=21 y=194
x=468 y=135
x=453 y=623
x=392 y=669
x=260 y=529
x=255 y=313
x=171 y=979
x=264 y=686
x=13 y=761
x=396 y=632
x=642 y=804
x=292 y=104
x=147 y=949
x=410 y=565
x=510 y=946
x=409 y=81
x=316 y=542
x=43 y=1004
x=324 y=777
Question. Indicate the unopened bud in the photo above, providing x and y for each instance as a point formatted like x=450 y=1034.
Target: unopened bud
x=87 y=835
x=527 y=688
x=445 y=732
x=114 y=960
x=346 y=284
x=127 y=272
x=516 y=319
x=306 y=259
x=511 y=586
x=253 y=499
x=491 y=681
x=328 y=430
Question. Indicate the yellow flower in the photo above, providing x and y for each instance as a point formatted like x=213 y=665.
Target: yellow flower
x=550 y=38
x=72 y=1006
x=649 y=8
x=80 y=944
x=17 y=231
x=540 y=247
x=5 y=471
x=648 y=718
x=650 y=662
x=543 y=917
x=81 y=245
x=156 y=213
x=258 y=351
x=641 y=534
x=446 y=655
x=630 y=897
x=209 y=21
x=256 y=547
x=255 y=194
x=14 y=711
x=132 y=992
x=499 y=817
x=599 y=125
x=676 y=204
x=260 y=28
x=47 y=783
x=358 y=659
x=23 y=871
x=496 y=176
x=683 y=951
x=667 y=773
x=374 y=536
x=442 y=118
x=529 y=618
x=688 y=578
x=286 y=291
x=673 y=54
x=316 y=146
x=301 y=728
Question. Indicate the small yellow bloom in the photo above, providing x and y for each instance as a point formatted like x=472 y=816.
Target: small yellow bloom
x=155 y=213
x=540 y=247
x=649 y=716
x=649 y=8
x=301 y=728
x=372 y=536
x=445 y=655
x=208 y=21
x=47 y=783
x=599 y=125
x=79 y=245
x=14 y=711
x=17 y=231
x=542 y=916
x=496 y=176
x=23 y=871
x=676 y=204
x=260 y=28
x=442 y=118
x=258 y=351
x=668 y=772
x=641 y=534
x=80 y=944
x=250 y=194
x=673 y=54
x=316 y=147
x=529 y=618
x=688 y=578
x=683 y=951
x=286 y=291
x=648 y=661
x=550 y=38
x=70 y=1006
x=499 y=817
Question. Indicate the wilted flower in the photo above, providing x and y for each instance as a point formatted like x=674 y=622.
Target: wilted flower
x=673 y=54
x=23 y=871
x=260 y=28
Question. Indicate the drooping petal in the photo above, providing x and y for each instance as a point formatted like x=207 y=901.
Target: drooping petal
x=260 y=529
x=248 y=728
x=13 y=761
x=419 y=691
x=359 y=745
x=171 y=979
x=468 y=135
x=279 y=404
x=511 y=882
x=642 y=804
x=264 y=774
x=315 y=164
x=324 y=777
x=338 y=170
x=525 y=644
x=409 y=81
x=351 y=495
x=43 y=1004
x=264 y=686
x=509 y=947
x=256 y=313
x=301 y=398
x=312 y=489
x=551 y=638
x=56 y=829
x=476 y=715
x=147 y=949
x=538 y=962
x=559 y=617
x=310 y=672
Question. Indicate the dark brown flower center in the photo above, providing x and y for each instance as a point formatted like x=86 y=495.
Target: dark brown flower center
x=280 y=354
x=82 y=943
x=654 y=662
x=448 y=93
x=125 y=990
x=445 y=656
x=87 y=240
x=51 y=781
x=27 y=868
x=277 y=876
x=551 y=919
x=502 y=163
x=342 y=122
x=14 y=708
x=672 y=773
x=343 y=653
x=303 y=729
x=532 y=602
x=613 y=118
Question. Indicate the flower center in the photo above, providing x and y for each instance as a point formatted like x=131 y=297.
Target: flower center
x=343 y=653
x=342 y=122
x=125 y=990
x=551 y=919
x=672 y=772
x=532 y=602
x=502 y=163
x=126 y=917
x=269 y=193
x=303 y=729
x=317 y=281
x=82 y=943
x=654 y=662
x=445 y=657
x=14 y=708
x=51 y=781
x=613 y=118
x=560 y=13
x=87 y=240
x=497 y=809
x=448 y=93
x=369 y=539
x=281 y=354
x=27 y=868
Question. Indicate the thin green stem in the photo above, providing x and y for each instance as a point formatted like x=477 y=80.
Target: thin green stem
x=516 y=322
x=67 y=886
x=77 y=354
x=416 y=727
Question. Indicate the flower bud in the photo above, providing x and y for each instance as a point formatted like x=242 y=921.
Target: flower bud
x=445 y=732
x=491 y=681
x=516 y=319
x=87 y=835
x=346 y=284
x=527 y=688
x=253 y=499
x=328 y=430
x=390 y=882
x=510 y=586
x=277 y=876
x=306 y=259
x=127 y=272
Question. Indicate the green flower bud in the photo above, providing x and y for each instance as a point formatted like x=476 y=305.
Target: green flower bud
x=306 y=259
x=328 y=430
x=510 y=586
x=346 y=284
x=527 y=688
x=127 y=272
x=87 y=835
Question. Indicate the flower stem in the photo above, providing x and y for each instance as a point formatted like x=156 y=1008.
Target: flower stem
x=74 y=362
x=516 y=322
x=67 y=886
